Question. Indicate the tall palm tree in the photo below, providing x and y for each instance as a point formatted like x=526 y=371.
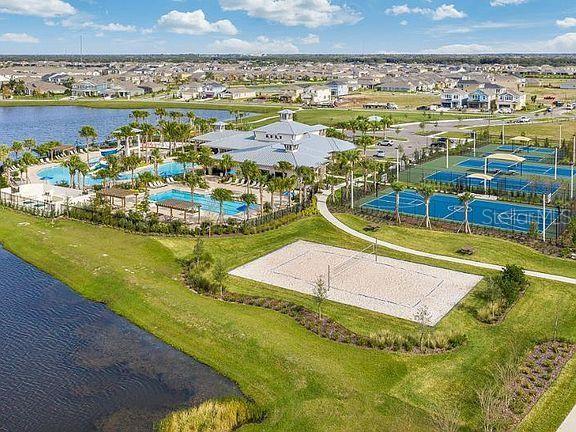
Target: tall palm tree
x=426 y=191
x=397 y=187
x=139 y=115
x=364 y=142
x=102 y=174
x=248 y=199
x=148 y=132
x=71 y=171
x=194 y=181
x=17 y=147
x=144 y=180
x=285 y=167
x=160 y=114
x=332 y=182
x=156 y=157
x=466 y=198
x=206 y=158
x=221 y=195
x=89 y=134
x=385 y=123
x=249 y=170
x=226 y=163
x=130 y=163
x=4 y=157
x=83 y=169
x=272 y=187
x=262 y=179
x=348 y=160
x=26 y=161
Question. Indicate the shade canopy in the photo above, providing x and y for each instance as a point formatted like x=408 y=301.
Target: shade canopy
x=506 y=157
x=480 y=176
x=521 y=139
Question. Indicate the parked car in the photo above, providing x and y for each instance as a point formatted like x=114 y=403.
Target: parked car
x=523 y=119
x=505 y=110
x=385 y=143
x=392 y=106
x=381 y=154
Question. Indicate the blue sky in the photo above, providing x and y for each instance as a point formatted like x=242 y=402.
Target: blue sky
x=287 y=26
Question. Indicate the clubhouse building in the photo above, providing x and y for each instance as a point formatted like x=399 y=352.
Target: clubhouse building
x=286 y=140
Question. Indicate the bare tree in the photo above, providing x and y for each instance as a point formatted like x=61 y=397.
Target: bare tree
x=320 y=293
x=423 y=317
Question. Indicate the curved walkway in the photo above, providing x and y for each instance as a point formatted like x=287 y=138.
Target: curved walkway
x=323 y=209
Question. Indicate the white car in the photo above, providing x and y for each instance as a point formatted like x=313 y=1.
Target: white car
x=380 y=154
x=385 y=143
x=523 y=119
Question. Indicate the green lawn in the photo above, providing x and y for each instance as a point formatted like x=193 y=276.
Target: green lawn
x=487 y=249
x=304 y=383
x=540 y=130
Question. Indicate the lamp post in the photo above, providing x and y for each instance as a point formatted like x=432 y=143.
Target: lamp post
x=572 y=168
x=474 y=142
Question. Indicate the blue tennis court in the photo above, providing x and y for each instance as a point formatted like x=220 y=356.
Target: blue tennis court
x=509 y=184
x=492 y=214
x=522 y=169
x=526 y=149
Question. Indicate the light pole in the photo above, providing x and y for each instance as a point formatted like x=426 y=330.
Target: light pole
x=447 y=152
x=474 y=142
x=398 y=163
x=572 y=168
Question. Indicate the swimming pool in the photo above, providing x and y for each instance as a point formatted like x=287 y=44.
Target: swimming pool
x=230 y=208
x=58 y=174
x=486 y=213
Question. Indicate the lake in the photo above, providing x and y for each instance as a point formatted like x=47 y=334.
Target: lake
x=62 y=123
x=68 y=364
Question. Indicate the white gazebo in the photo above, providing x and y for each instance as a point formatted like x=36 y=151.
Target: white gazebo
x=503 y=157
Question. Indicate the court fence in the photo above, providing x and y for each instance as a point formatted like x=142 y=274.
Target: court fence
x=558 y=217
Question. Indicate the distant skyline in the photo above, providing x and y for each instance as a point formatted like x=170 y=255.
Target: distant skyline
x=287 y=26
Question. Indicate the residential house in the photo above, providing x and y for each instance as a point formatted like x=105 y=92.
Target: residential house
x=190 y=91
x=213 y=89
x=89 y=88
x=396 y=85
x=238 y=93
x=338 y=88
x=317 y=95
x=482 y=98
x=454 y=98
x=510 y=99
x=33 y=88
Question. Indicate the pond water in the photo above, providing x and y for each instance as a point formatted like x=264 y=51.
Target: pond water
x=62 y=123
x=69 y=364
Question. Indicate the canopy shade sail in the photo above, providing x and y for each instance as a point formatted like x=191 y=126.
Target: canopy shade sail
x=480 y=176
x=521 y=139
x=506 y=157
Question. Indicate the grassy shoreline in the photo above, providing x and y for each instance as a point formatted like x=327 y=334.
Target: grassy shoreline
x=301 y=381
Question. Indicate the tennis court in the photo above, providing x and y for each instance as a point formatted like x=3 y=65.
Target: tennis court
x=514 y=167
x=526 y=149
x=486 y=213
x=498 y=183
x=363 y=279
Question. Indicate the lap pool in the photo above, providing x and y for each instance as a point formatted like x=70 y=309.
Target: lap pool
x=231 y=208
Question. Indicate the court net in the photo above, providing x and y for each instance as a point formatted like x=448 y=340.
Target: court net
x=352 y=260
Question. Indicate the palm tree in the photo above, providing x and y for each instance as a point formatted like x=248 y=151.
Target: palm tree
x=226 y=163
x=28 y=159
x=83 y=168
x=285 y=167
x=157 y=159
x=332 y=182
x=385 y=123
x=103 y=174
x=124 y=133
x=305 y=176
x=397 y=187
x=365 y=141
x=262 y=179
x=144 y=179
x=130 y=163
x=271 y=187
x=89 y=134
x=71 y=171
x=17 y=147
x=289 y=183
x=221 y=195
x=249 y=170
x=348 y=160
x=466 y=198
x=426 y=191
x=4 y=157
x=139 y=115
x=148 y=132
x=206 y=158
x=29 y=143
x=160 y=114
x=248 y=199
x=195 y=180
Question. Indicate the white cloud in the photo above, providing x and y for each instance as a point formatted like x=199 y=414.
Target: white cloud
x=506 y=2
x=310 y=39
x=460 y=49
x=447 y=11
x=308 y=13
x=566 y=22
x=565 y=43
x=79 y=22
x=41 y=8
x=440 y=13
x=403 y=22
x=261 y=45
x=194 y=23
x=18 y=38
